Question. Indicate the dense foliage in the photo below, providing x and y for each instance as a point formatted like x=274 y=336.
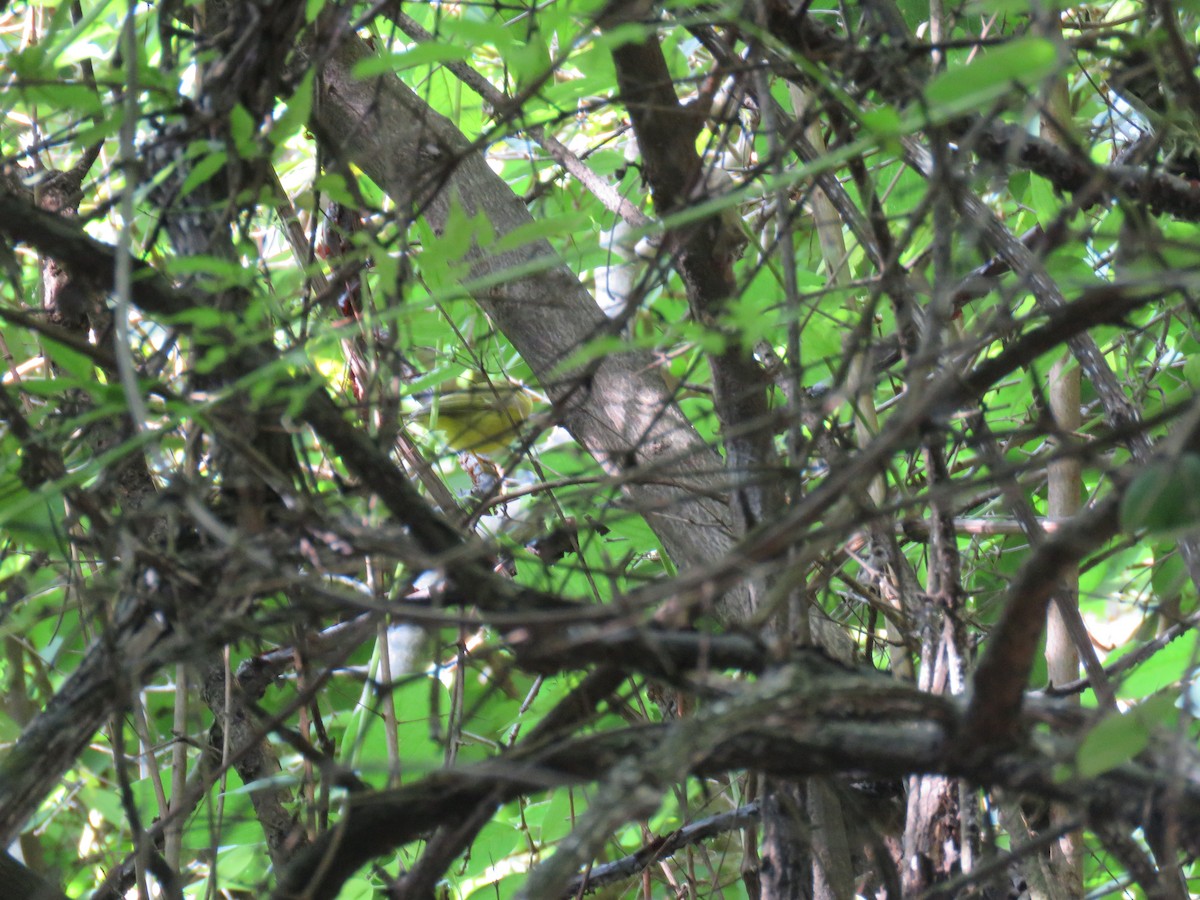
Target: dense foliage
x=512 y=449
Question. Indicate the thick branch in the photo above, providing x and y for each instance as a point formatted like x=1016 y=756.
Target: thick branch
x=619 y=408
x=992 y=721
x=703 y=253
x=815 y=718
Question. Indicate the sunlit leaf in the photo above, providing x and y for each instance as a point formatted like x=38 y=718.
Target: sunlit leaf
x=420 y=55
x=1021 y=62
x=295 y=116
x=205 y=169
x=242 y=130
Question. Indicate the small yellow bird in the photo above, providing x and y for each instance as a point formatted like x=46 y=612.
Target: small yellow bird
x=482 y=418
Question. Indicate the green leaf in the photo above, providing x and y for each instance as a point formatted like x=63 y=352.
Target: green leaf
x=1046 y=204
x=883 y=122
x=992 y=75
x=213 y=357
x=1164 y=498
x=1169 y=576
x=242 y=131
x=295 y=116
x=1163 y=669
x=219 y=272
x=70 y=361
x=989 y=8
x=540 y=229
x=98 y=131
x=1158 y=711
x=528 y=62
x=1191 y=370
x=358 y=889
x=204 y=170
x=28 y=63
x=48 y=387
x=202 y=317
x=333 y=185
x=32 y=520
x=420 y=55
x=1115 y=740
x=66 y=97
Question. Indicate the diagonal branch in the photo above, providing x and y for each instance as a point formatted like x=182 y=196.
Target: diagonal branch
x=993 y=718
x=811 y=717
x=618 y=407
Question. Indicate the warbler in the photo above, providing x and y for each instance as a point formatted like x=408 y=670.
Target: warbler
x=482 y=418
